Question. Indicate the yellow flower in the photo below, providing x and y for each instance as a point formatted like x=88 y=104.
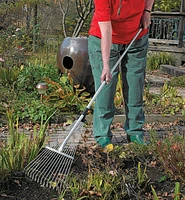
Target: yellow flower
x=108 y=148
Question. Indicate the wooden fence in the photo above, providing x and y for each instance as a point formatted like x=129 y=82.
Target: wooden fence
x=167 y=30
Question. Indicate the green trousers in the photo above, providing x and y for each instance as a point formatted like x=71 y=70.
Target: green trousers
x=132 y=68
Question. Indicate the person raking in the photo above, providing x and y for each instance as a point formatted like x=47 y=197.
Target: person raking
x=113 y=26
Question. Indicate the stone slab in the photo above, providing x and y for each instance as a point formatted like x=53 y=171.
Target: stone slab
x=156 y=90
x=148 y=118
x=172 y=70
x=156 y=81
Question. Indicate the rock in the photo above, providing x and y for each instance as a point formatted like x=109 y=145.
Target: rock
x=172 y=70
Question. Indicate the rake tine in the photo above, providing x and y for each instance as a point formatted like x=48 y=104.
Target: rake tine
x=53 y=171
x=43 y=165
x=59 y=167
x=52 y=167
x=67 y=169
x=66 y=164
x=33 y=169
x=70 y=152
x=64 y=173
x=38 y=171
x=58 y=176
x=47 y=168
x=29 y=167
x=34 y=160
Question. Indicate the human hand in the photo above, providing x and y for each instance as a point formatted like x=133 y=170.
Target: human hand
x=145 y=20
x=106 y=75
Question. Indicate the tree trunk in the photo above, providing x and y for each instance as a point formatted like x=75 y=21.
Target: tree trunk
x=35 y=27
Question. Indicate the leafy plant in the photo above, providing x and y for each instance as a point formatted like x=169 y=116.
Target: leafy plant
x=171 y=101
x=154 y=193
x=141 y=175
x=100 y=185
x=20 y=148
x=26 y=103
x=135 y=150
x=167 y=102
x=13 y=43
x=155 y=59
x=178 y=81
x=32 y=109
x=9 y=76
x=177 y=191
x=6 y=39
x=171 y=154
x=167 y=5
x=66 y=95
x=118 y=100
x=14 y=151
x=75 y=187
x=37 y=138
x=34 y=73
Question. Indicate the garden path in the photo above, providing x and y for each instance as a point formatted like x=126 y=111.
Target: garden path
x=162 y=129
x=57 y=134
x=156 y=82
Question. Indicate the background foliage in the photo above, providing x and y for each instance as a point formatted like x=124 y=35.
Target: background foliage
x=167 y=5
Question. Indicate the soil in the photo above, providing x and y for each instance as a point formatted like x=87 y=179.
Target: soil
x=22 y=188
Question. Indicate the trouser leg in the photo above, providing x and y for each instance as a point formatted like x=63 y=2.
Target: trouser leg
x=133 y=74
x=104 y=104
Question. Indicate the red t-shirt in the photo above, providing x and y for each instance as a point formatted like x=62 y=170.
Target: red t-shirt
x=125 y=16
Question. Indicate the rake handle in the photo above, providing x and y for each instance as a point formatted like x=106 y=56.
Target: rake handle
x=82 y=116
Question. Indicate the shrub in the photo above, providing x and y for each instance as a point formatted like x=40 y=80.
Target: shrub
x=67 y=96
x=171 y=154
x=30 y=109
x=157 y=58
x=178 y=81
x=32 y=74
x=8 y=76
x=167 y=102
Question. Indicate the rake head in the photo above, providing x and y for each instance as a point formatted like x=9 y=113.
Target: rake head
x=51 y=166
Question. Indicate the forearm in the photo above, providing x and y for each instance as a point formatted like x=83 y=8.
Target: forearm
x=106 y=41
x=149 y=4
x=145 y=20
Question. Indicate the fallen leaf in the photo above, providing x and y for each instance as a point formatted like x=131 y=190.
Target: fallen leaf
x=17 y=182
